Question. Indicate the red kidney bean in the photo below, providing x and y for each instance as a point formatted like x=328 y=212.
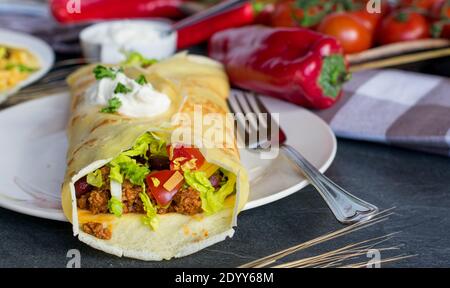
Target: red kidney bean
x=215 y=180
x=159 y=162
x=82 y=187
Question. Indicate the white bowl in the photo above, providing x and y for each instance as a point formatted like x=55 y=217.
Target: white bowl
x=37 y=47
x=97 y=47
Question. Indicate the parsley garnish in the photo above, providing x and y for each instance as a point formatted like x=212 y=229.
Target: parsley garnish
x=120 y=88
x=141 y=80
x=137 y=59
x=101 y=72
x=113 y=105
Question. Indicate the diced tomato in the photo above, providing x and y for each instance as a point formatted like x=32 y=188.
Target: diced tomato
x=180 y=155
x=155 y=184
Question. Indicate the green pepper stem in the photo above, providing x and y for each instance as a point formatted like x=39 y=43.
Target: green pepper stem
x=332 y=75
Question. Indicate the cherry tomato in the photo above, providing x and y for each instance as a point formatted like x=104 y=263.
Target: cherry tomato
x=155 y=184
x=351 y=33
x=422 y=4
x=440 y=10
x=445 y=33
x=288 y=13
x=284 y=14
x=441 y=29
x=385 y=7
x=403 y=26
x=369 y=20
x=179 y=155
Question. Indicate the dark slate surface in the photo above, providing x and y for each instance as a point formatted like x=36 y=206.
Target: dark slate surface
x=417 y=184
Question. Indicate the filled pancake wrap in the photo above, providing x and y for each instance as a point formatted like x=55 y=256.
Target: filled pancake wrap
x=97 y=138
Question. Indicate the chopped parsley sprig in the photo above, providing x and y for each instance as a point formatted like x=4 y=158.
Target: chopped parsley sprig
x=113 y=105
x=141 y=80
x=101 y=72
x=120 y=88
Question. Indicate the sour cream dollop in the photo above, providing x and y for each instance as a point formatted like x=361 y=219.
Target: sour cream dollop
x=138 y=101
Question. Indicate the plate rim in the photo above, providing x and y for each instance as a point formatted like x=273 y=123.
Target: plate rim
x=58 y=215
x=46 y=52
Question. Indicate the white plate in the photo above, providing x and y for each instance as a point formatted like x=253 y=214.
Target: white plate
x=33 y=149
x=37 y=47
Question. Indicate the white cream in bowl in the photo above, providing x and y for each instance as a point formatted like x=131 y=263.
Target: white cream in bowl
x=108 y=42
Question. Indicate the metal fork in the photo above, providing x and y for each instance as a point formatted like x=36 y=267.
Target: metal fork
x=345 y=207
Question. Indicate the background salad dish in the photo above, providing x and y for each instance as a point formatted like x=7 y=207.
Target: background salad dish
x=16 y=65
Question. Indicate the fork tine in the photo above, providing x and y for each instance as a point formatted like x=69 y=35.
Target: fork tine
x=58 y=74
x=242 y=130
x=252 y=126
x=273 y=124
x=69 y=62
x=245 y=106
x=251 y=99
x=265 y=122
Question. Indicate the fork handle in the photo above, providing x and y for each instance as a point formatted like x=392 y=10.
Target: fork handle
x=346 y=208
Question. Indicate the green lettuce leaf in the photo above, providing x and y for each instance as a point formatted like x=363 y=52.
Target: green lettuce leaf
x=115 y=206
x=125 y=166
x=95 y=178
x=150 y=219
x=228 y=188
x=145 y=143
x=212 y=201
x=198 y=181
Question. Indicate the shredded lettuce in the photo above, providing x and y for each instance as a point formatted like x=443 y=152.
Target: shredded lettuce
x=198 y=181
x=212 y=201
x=95 y=178
x=145 y=143
x=114 y=171
x=115 y=206
x=125 y=166
x=150 y=219
x=228 y=188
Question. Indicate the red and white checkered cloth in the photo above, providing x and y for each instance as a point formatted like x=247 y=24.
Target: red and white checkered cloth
x=395 y=107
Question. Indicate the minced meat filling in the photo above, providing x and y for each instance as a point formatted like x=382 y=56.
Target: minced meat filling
x=96 y=200
x=130 y=198
x=97 y=230
x=187 y=200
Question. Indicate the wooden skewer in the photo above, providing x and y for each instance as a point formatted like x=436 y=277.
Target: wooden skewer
x=394 y=49
x=398 y=60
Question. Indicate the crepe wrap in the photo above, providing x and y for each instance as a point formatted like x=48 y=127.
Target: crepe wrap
x=96 y=138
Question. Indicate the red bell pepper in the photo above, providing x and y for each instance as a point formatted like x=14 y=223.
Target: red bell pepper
x=238 y=16
x=67 y=11
x=295 y=64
